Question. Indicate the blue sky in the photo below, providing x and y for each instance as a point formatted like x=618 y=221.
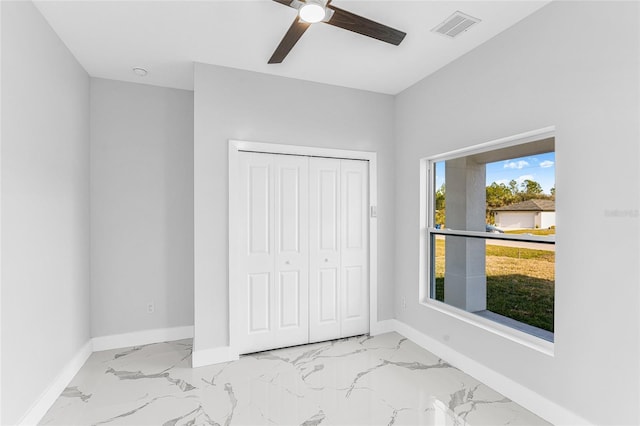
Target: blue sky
x=540 y=168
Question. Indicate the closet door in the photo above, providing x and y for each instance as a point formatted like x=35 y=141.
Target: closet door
x=292 y=250
x=324 y=250
x=354 y=247
x=339 y=248
x=273 y=252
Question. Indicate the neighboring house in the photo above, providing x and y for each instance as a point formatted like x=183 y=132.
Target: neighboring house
x=528 y=214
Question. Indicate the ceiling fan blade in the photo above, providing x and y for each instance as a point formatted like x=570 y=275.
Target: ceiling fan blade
x=285 y=2
x=352 y=22
x=289 y=40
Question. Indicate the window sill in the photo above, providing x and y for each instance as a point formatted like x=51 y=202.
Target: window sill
x=482 y=321
x=517 y=325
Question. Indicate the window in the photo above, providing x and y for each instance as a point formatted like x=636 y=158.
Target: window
x=489 y=234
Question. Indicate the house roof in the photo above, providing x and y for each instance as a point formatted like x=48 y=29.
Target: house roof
x=529 y=206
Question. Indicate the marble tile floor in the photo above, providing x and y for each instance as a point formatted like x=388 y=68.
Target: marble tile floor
x=381 y=380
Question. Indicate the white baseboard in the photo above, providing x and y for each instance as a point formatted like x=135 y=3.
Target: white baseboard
x=222 y=354
x=144 y=337
x=117 y=341
x=37 y=411
x=213 y=356
x=381 y=327
x=521 y=395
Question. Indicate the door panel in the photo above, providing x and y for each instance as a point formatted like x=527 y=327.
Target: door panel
x=354 y=209
x=259 y=209
x=292 y=249
x=259 y=303
x=354 y=248
x=289 y=289
x=328 y=204
x=275 y=257
x=353 y=292
x=289 y=218
x=324 y=248
x=328 y=295
x=255 y=253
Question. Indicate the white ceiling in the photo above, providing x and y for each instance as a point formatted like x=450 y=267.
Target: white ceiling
x=110 y=37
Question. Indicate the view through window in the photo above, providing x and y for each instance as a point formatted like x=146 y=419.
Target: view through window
x=492 y=235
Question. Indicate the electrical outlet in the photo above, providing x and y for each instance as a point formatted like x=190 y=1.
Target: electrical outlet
x=151 y=307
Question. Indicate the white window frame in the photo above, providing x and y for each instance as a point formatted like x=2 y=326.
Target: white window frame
x=427 y=228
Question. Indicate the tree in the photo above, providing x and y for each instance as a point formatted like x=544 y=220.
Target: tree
x=497 y=195
x=513 y=186
x=531 y=188
x=440 y=216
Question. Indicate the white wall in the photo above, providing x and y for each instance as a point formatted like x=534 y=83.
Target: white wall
x=573 y=65
x=141 y=207
x=547 y=220
x=234 y=104
x=45 y=208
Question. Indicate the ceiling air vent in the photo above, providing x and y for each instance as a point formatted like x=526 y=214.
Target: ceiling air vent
x=455 y=24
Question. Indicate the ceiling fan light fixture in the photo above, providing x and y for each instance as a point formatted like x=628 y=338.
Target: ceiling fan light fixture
x=312 y=12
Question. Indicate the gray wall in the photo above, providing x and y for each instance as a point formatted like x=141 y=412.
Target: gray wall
x=573 y=65
x=234 y=104
x=141 y=207
x=45 y=207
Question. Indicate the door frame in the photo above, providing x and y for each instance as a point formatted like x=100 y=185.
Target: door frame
x=237 y=146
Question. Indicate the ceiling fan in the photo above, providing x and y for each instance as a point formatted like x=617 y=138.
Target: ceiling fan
x=313 y=11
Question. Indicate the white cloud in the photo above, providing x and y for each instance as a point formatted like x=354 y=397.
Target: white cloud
x=523 y=178
x=546 y=163
x=516 y=164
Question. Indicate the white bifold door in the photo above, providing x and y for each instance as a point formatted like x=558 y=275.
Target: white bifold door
x=302 y=251
x=338 y=248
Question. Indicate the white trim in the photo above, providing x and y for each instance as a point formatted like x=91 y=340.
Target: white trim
x=381 y=327
x=521 y=395
x=144 y=337
x=213 y=356
x=312 y=151
x=235 y=146
x=426 y=217
x=525 y=339
x=519 y=139
x=373 y=242
x=36 y=412
x=542 y=239
x=117 y=341
x=234 y=187
x=1 y=286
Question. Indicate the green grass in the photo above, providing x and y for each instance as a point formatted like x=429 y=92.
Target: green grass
x=523 y=298
x=520 y=283
x=520 y=253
